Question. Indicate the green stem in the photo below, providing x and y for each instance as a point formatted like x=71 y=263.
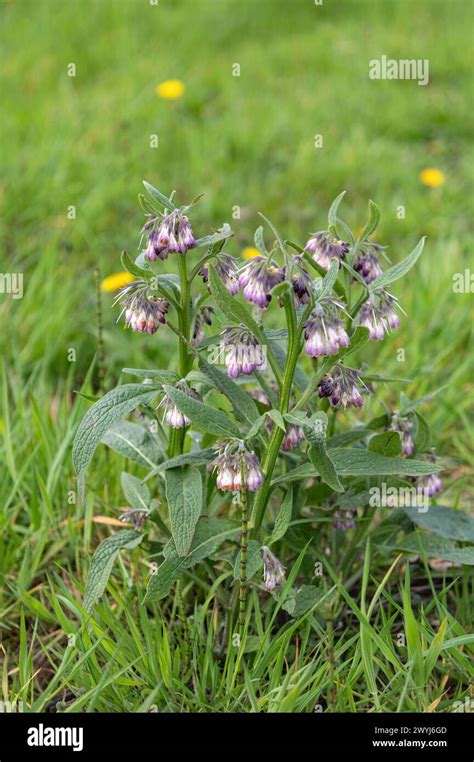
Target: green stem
x=176 y=442
x=243 y=552
x=294 y=346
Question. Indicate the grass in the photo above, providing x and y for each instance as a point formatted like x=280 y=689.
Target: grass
x=399 y=637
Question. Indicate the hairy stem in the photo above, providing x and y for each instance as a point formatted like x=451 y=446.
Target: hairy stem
x=243 y=551
x=294 y=346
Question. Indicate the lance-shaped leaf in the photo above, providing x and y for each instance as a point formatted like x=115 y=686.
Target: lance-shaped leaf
x=209 y=535
x=283 y=517
x=232 y=309
x=102 y=563
x=423 y=434
x=184 y=496
x=351 y=461
x=133 y=268
x=136 y=492
x=158 y=376
x=314 y=430
x=109 y=409
x=158 y=196
x=133 y=442
x=372 y=222
x=220 y=235
x=332 y=214
x=203 y=416
x=447 y=522
x=193 y=458
x=399 y=270
x=244 y=407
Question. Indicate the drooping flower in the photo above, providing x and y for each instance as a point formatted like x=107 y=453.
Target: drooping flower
x=377 y=314
x=257 y=279
x=232 y=458
x=293 y=436
x=137 y=515
x=324 y=248
x=343 y=386
x=324 y=332
x=405 y=429
x=344 y=518
x=143 y=313
x=430 y=485
x=203 y=317
x=367 y=263
x=173 y=415
x=226 y=268
x=273 y=569
x=302 y=283
x=243 y=353
x=173 y=233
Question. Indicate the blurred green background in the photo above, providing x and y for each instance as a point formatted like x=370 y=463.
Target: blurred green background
x=246 y=141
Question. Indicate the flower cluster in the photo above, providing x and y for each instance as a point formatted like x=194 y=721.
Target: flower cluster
x=257 y=279
x=226 y=269
x=344 y=518
x=377 y=314
x=171 y=234
x=273 y=569
x=203 y=317
x=324 y=332
x=324 y=248
x=405 y=428
x=343 y=386
x=233 y=461
x=243 y=353
x=173 y=415
x=367 y=263
x=143 y=313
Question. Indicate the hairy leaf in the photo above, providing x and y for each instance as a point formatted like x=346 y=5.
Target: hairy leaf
x=184 y=496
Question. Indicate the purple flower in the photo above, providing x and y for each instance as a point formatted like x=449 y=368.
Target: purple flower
x=173 y=415
x=405 y=429
x=257 y=279
x=377 y=314
x=293 y=436
x=143 y=313
x=203 y=317
x=324 y=332
x=226 y=268
x=367 y=263
x=172 y=234
x=302 y=283
x=344 y=518
x=137 y=515
x=273 y=569
x=343 y=386
x=243 y=353
x=230 y=459
x=324 y=248
x=430 y=485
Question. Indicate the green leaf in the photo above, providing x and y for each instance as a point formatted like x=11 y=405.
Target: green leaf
x=332 y=214
x=133 y=442
x=136 y=492
x=214 y=238
x=347 y=437
x=232 y=309
x=133 y=268
x=102 y=562
x=324 y=466
x=410 y=407
x=351 y=461
x=209 y=535
x=423 y=434
x=203 y=416
x=304 y=599
x=259 y=241
x=447 y=522
x=193 y=458
x=388 y=443
x=359 y=339
x=103 y=414
x=184 y=496
x=435 y=547
x=283 y=518
x=158 y=376
x=328 y=282
x=372 y=222
x=245 y=409
x=158 y=196
x=277 y=418
x=399 y=270
x=254 y=560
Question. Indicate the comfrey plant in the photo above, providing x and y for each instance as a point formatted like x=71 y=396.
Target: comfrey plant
x=240 y=433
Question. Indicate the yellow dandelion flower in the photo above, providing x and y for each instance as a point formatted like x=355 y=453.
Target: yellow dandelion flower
x=431 y=177
x=250 y=252
x=170 y=89
x=116 y=281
